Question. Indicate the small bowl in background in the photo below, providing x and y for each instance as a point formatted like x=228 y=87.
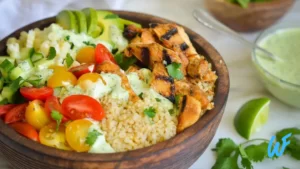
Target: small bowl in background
x=285 y=91
x=256 y=16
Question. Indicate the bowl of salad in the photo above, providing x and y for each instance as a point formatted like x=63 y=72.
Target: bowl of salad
x=108 y=89
x=248 y=15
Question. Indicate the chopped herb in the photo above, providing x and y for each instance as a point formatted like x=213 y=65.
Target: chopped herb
x=177 y=99
x=114 y=50
x=67 y=38
x=174 y=70
x=69 y=60
x=150 y=112
x=72 y=46
x=111 y=16
x=141 y=95
x=52 y=53
x=57 y=117
x=157 y=99
x=172 y=112
x=92 y=137
x=89 y=44
x=124 y=62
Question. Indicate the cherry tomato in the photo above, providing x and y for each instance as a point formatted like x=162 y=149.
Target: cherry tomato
x=82 y=106
x=51 y=104
x=51 y=137
x=36 y=114
x=86 y=55
x=61 y=78
x=102 y=54
x=92 y=77
x=82 y=69
x=26 y=130
x=5 y=108
x=57 y=68
x=32 y=93
x=76 y=133
x=15 y=114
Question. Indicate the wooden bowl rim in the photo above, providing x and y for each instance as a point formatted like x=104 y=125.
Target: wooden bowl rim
x=220 y=99
x=251 y=5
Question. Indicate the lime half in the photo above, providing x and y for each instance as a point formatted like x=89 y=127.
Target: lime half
x=252 y=116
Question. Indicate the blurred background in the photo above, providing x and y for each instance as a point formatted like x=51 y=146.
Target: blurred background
x=244 y=84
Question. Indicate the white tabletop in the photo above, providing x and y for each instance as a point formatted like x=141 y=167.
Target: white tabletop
x=244 y=80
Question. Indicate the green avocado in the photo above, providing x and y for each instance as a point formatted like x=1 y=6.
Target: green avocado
x=81 y=21
x=92 y=27
x=67 y=20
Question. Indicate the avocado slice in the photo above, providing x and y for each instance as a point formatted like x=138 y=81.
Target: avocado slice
x=67 y=20
x=92 y=18
x=81 y=21
x=128 y=22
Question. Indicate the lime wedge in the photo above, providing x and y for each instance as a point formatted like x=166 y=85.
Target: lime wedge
x=252 y=116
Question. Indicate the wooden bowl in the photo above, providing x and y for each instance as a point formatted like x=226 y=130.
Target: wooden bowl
x=178 y=152
x=257 y=16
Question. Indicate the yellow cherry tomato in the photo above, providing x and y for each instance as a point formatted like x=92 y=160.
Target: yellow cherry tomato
x=36 y=114
x=76 y=133
x=93 y=77
x=51 y=137
x=62 y=78
x=57 y=68
x=86 y=55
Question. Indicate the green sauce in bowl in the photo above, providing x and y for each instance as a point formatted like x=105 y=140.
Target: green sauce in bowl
x=281 y=78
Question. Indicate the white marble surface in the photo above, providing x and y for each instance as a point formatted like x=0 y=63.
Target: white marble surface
x=244 y=81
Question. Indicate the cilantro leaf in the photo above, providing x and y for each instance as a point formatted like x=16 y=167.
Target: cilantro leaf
x=171 y=112
x=69 y=60
x=294 y=147
x=92 y=137
x=141 y=95
x=174 y=70
x=150 y=112
x=157 y=99
x=227 y=162
x=67 y=38
x=72 y=46
x=225 y=147
x=124 y=62
x=111 y=16
x=52 y=53
x=246 y=163
x=57 y=117
x=258 y=152
x=89 y=43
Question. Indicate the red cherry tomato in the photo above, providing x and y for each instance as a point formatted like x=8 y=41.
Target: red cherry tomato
x=51 y=104
x=102 y=54
x=82 y=69
x=82 y=106
x=15 y=114
x=26 y=130
x=32 y=93
x=5 y=108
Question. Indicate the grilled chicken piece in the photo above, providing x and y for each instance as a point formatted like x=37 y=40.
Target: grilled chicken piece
x=130 y=31
x=162 y=83
x=198 y=67
x=185 y=88
x=190 y=113
x=147 y=36
x=175 y=38
x=109 y=67
x=152 y=53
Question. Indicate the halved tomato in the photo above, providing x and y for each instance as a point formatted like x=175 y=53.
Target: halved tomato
x=32 y=93
x=16 y=114
x=102 y=54
x=26 y=130
x=5 y=108
x=82 y=106
x=82 y=69
x=51 y=104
